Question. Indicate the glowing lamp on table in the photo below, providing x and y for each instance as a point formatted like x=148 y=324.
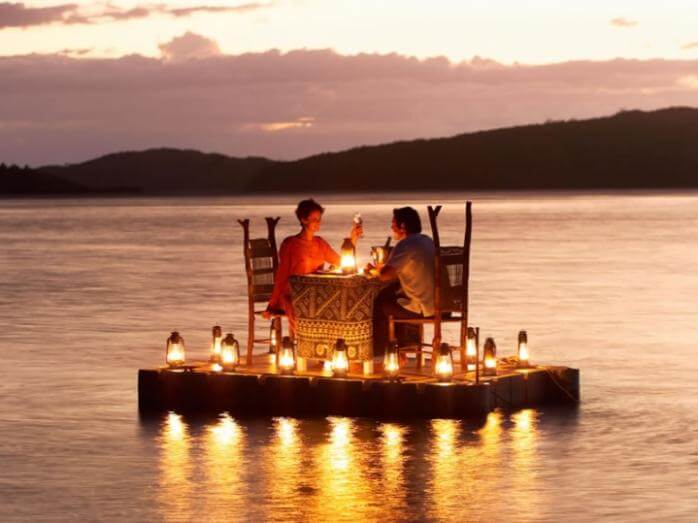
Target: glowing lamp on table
x=348 y=260
x=286 y=357
x=444 y=363
x=340 y=360
x=230 y=352
x=174 y=350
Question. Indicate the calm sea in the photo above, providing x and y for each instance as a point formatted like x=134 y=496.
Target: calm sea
x=90 y=289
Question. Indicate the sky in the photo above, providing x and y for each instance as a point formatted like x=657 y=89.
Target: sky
x=290 y=78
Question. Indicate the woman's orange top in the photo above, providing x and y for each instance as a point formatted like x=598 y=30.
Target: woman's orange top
x=298 y=256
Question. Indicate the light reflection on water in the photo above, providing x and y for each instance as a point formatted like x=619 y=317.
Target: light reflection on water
x=339 y=468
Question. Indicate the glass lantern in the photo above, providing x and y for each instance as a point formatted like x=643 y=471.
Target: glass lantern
x=522 y=350
x=471 y=350
x=444 y=363
x=230 y=353
x=273 y=337
x=348 y=260
x=340 y=360
x=174 y=350
x=391 y=362
x=286 y=357
x=217 y=338
x=489 y=358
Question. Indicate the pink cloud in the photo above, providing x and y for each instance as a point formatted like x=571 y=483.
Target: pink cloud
x=287 y=105
x=21 y=15
x=189 y=46
x=623 y=22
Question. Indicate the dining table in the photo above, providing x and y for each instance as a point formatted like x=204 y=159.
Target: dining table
x=332 y=305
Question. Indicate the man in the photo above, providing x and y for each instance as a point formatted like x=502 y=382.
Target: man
x=410 y=267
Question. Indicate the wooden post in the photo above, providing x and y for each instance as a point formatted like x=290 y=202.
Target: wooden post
x=477 y=354
x=466 y=279
x=433 y=214
x=250 y=298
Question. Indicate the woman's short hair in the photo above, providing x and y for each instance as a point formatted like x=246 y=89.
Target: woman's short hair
x=306 y=207
x=408 y=217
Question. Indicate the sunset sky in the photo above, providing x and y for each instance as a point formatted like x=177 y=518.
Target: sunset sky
x=288 y=78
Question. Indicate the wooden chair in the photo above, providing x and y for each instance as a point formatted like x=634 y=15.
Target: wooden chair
x=261 y=264
x=451 y=275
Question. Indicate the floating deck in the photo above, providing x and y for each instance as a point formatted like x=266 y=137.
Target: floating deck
x=259 y=390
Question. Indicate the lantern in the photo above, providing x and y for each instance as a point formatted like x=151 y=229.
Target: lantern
x=230 y=352
x=348 y=260
x=216 y=367
x=471 y=350
x=340 y=361
x=217 y=338
x=444 y=363
x=174 y=350
x=522 y=350
x=274 y=338
x=391 y=362
x=286 y=357
x=489 y=357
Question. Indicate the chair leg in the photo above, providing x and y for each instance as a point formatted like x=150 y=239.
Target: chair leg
x=421 y=343
x=250 y=333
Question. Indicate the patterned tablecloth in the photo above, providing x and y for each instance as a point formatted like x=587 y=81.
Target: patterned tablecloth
x=332 y=306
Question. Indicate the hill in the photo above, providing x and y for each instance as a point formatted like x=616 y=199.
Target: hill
x=632 y=149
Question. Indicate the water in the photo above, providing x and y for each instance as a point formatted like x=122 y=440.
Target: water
x=89 y=290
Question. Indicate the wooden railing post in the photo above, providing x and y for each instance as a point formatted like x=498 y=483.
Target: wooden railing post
x=433 y=214
x=250 y=280
x=466 y=280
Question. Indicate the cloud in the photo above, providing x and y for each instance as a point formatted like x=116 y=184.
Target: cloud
x=623 y=22
x=189 y=46
x=56 y=108
x=21 y=15
x=690 y=45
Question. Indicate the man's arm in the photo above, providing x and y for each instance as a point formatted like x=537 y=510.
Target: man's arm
x=387 y=273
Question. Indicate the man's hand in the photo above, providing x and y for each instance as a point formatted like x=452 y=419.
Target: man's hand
x=266 y=315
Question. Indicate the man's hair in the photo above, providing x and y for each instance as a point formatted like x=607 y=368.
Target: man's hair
x=408 y=217
x=305 y=207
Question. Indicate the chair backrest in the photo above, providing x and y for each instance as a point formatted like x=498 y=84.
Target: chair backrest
x=451 y=260
x=261 y=261
x=451 y=274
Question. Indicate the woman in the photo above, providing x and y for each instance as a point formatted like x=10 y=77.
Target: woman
x=302 y=254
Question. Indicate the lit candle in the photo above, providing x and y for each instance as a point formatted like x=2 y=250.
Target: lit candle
x=489 y=357
x=348 y=260
x=174 y=350
x=340 y=361
x=286 y=362
x=471 y=350
x=522 y=350
x=217 y=337
x=230 y=352
x=391 y=362
x=444 y=363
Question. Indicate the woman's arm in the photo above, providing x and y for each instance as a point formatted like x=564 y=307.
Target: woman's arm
x=329 y=254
